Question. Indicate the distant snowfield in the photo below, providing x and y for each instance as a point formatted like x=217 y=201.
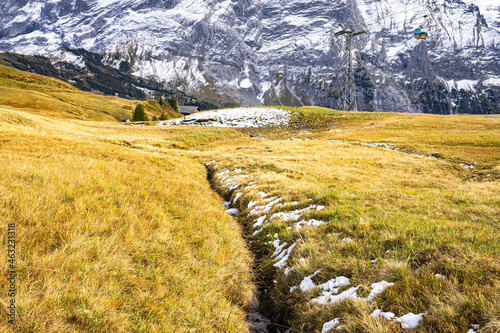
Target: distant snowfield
x=238 y=117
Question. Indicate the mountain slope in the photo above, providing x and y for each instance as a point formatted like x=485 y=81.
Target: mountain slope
x=48 y=96
x=205 y=47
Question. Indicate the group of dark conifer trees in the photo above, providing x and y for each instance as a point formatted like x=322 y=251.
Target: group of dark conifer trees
x=140 y=113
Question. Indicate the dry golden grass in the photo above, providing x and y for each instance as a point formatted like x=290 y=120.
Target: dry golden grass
x=119 y=230
x=51 y=97
x=112 y=239
x=433 y=215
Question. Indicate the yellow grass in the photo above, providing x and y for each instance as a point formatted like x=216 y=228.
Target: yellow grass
x=119 y=230
x=115 y=239
x=51 y=97
x=433 y=215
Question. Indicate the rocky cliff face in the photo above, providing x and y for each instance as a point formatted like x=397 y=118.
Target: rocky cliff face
x=204 y=47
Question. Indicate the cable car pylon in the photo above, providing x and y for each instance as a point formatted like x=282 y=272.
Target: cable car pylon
x=347 y=99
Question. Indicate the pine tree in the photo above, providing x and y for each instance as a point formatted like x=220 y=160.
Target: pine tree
x=173 y=103
x=163 y=116
x=162 y=102
x=139 y=114
x=155 y=118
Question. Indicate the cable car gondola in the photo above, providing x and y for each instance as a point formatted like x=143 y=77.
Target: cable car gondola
x=420 y=33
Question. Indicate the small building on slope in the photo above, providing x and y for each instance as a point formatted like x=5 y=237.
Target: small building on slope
x=184 y=109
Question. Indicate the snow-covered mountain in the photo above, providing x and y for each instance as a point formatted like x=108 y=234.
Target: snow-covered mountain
x=237 y=46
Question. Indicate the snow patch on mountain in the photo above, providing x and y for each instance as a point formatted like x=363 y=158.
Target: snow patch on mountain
x=61 y=55
x=238 y=117
x=245 y=84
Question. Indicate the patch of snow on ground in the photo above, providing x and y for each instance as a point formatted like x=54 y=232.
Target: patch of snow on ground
x=474 y=328
x=346 y=240
x=278 y=247
x=259 y=221
x=258 y=323
x=295 y=214
x=334 y=284
x=307 y=282
x=312 y=222
x=329 y=295
x=378 y=288
x=283 y=256
x=264 y=209
x=224 y=173
x=410 y=320
x=469 y=85
x=237 y=196
x=379 y=313
x=330 y=287
x=61 y=55
x=330 y=325
x=238 y=117
x=407 y=321
x=492 y=82
x=256 y=232
x=468 y=166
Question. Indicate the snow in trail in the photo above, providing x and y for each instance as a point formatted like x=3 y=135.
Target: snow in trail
x=238 y=117
x=258 y=323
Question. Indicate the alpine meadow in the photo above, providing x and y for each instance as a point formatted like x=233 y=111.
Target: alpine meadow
x=301 y=219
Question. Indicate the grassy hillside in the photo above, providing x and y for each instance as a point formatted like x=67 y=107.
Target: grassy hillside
x=390 y=215
x=114 y=233
x=51 y=97
x=119 y=230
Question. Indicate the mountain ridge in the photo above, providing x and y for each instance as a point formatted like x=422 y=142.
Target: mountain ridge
x=204 y=48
